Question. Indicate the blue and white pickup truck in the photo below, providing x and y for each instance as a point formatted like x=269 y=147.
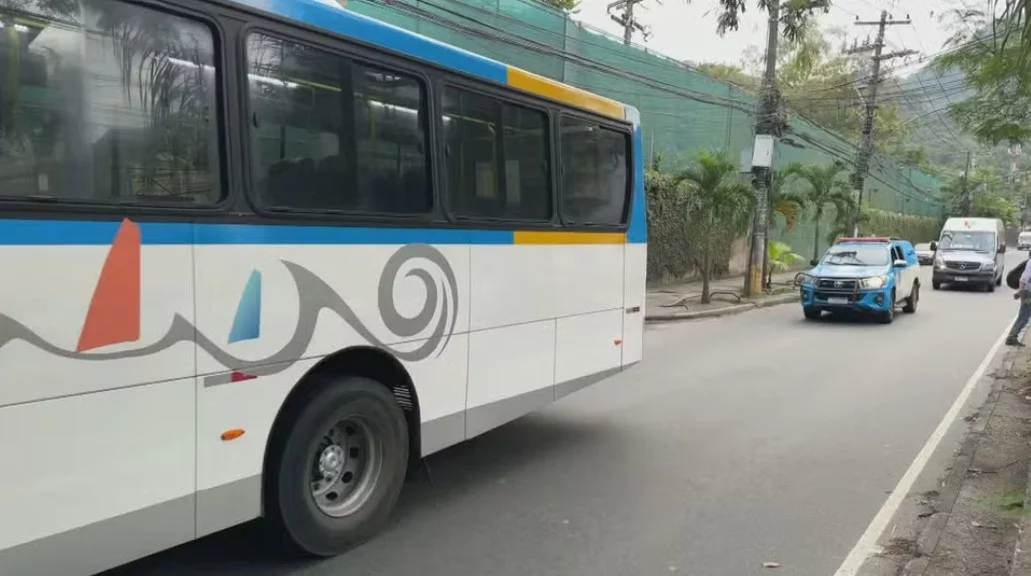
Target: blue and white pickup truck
x=867 y=275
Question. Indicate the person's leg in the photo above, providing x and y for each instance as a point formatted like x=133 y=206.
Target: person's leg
x=1023 y=315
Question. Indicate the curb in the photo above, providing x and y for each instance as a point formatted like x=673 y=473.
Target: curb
x=727 y=311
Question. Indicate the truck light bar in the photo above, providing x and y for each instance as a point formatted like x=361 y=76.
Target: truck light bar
x=868 y=239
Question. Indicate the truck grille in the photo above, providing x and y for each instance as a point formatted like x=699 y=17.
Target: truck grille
x=966 y=266
x=836 y=285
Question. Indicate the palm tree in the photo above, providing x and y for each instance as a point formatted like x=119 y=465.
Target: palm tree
x=824 y=188
x=718 y=204
x=784 y=201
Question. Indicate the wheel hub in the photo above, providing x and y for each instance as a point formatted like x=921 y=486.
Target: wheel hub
x=345 y=467
x=331 y=461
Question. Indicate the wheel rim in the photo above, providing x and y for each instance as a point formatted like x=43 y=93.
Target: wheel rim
x=345 y=467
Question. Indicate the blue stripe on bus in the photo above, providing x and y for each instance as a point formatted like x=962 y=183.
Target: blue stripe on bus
x=264 y=234
x=388 y=36
x=637 y=231
x=101 y=233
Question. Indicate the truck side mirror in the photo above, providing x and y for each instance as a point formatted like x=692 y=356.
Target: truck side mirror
x=934 y=246
x=814 y=262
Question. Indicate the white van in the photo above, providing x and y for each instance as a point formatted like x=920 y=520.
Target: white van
x=970 y=251
x=1024 y=240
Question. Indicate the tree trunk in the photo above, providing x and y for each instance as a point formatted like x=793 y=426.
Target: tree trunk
x=816 y=238
x=706 y=270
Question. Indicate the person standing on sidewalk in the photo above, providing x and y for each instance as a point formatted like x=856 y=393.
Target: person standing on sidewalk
x=1024 y=314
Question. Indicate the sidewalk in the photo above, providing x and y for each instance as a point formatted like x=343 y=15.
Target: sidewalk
x=683 y=301
x=978 y=520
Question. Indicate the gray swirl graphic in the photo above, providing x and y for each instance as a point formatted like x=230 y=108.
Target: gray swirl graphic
x=438 y=314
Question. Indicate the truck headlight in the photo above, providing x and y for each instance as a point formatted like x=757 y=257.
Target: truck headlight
x=988 y=266
x=874 y=282
x=939 y=263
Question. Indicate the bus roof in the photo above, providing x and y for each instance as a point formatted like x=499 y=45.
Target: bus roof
x=330 y=16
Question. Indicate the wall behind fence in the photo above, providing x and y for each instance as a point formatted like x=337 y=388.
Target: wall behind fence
x=682 y=110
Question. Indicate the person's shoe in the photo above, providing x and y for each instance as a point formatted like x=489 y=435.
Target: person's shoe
x=1016 y=343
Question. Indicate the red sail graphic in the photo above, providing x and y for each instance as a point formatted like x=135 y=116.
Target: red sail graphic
x=114 y=311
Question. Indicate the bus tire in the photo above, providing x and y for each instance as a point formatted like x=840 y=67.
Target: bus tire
x=340 y=467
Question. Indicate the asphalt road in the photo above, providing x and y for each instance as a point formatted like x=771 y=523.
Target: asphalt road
x=741 y=440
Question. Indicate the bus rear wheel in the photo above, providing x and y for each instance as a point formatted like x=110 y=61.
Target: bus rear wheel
x=340 y=466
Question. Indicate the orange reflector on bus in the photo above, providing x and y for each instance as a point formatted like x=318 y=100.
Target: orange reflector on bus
x=617 y=341
x=232 y=434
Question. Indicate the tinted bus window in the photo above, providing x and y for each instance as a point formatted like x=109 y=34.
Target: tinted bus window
x=497 y=158
x=105 y=101
x=332 y=134
x=595 y=178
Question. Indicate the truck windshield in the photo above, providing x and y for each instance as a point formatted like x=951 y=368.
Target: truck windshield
x=967 y=240
x=857 y=255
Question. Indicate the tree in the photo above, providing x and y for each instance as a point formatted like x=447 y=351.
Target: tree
x=718 y=204
x=817 y=82
x=794 y=14
x=780 y=257
x=568 y=6
x=983 y=195
x=825 y=188
x=783 y=199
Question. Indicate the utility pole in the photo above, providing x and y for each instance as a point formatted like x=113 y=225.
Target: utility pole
x=626 y=19
x=968 y=199
x=767 y=127
x=866 y=146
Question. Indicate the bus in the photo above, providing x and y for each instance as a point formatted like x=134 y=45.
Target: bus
x=260 y=256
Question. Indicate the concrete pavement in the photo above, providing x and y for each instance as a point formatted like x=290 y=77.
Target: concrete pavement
x=739 y=440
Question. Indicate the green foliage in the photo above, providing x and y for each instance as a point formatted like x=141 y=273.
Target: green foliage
x=985 y=194
x=912 y=228
x=780 y=257
x=794 y=14
x=717 y=204
x=818 y=82
x=784 y=200
x=563 y=5
x=1000 y=108
x=826 y=189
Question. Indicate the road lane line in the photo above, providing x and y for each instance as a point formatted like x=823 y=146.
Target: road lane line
x=867 y=544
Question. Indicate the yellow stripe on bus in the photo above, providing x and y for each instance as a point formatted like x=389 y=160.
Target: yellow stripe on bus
x=536 y=237
x=574 y=96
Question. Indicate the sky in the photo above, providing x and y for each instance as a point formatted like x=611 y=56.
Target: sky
x=687 y=30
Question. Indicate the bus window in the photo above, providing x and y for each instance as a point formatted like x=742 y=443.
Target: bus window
x=331 y=134
x=595 y=179
x=107 y=101
x=497 y=158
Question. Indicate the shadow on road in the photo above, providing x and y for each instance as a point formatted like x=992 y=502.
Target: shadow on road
x=250 y=549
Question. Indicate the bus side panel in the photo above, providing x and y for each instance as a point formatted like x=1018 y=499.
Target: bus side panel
x=588 y=341
x=97 y=398
x=636 y=269
x=267 y=313
x=96 y=480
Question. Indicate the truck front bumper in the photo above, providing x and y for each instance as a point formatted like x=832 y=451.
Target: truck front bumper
x=878 y=300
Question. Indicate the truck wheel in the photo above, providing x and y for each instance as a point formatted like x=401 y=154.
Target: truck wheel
x=936 y=285
x=812 y=312
x=991 y=286
x=339 y=467
x=888 y=316
x=914 y=298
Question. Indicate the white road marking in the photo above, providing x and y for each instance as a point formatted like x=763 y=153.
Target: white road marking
x=867 y=544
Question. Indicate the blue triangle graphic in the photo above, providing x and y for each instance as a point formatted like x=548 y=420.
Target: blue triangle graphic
x=247 y=323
